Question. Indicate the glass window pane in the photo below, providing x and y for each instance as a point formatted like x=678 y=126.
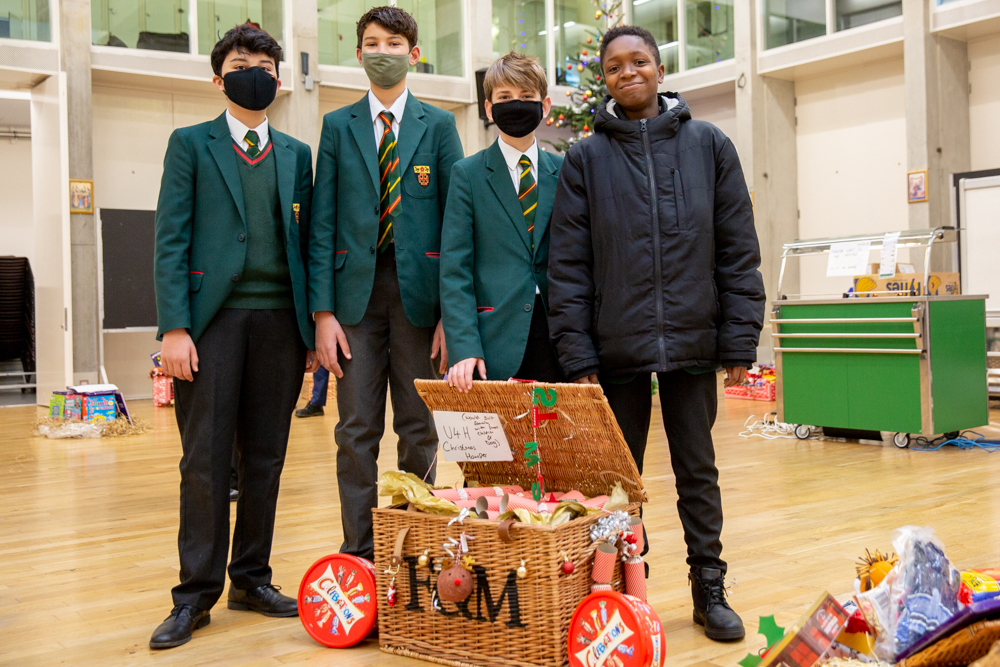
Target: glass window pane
x=519 y=26
x=660 y=18
x=160 y=25
x=790 y=21
x=217 y=17
x=25 y=19
x=338 y=30
x=709 y=31
x=576 y=20
x=854 y=13
x=439 y=35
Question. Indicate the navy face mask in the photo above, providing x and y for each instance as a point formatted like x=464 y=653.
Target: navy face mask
x=251 y=88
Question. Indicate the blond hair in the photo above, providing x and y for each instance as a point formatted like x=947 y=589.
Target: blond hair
x=519 y=71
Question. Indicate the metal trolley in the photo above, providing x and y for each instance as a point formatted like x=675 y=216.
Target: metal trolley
x=905 y=363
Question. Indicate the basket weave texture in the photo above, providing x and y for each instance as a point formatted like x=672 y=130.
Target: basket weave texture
x=957 y=649
x=507 y=620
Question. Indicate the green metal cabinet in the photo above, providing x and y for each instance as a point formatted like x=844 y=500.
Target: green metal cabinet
x=901 y=364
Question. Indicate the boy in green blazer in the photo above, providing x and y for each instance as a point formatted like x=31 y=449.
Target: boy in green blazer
x=381 y=181
x=495 y=238
x=230 y=274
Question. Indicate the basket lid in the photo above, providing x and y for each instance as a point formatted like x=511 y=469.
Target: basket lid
x=338 y=601
x=582 y=449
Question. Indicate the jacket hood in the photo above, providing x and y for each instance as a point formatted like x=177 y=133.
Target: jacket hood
x=611 y=118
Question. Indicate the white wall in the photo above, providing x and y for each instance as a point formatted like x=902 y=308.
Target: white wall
x=984 y=103
x=851 y=144
x=17 y=236
x=720 y=110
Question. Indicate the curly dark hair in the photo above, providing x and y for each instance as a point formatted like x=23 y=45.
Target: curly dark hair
x=393 y=19
x=248 y=38
x=635 y=31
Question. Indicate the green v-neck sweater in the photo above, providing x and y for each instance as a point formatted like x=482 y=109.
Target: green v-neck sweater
x=266 y=282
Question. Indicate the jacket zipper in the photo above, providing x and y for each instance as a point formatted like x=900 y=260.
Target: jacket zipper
x=657 y=257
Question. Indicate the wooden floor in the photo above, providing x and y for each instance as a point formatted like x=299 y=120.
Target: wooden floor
x=88 y=533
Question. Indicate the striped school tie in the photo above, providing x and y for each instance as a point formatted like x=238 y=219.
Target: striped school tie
x=253 y=150
x=528 y=194
x=388 y=164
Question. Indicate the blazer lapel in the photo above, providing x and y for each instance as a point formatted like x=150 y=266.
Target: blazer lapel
x=221 y=147
x=547 y=181
x=284 y=162
x=411 y=131
x=364 y=135
x=499 y=179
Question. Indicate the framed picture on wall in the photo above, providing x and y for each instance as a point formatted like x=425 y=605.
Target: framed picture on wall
x=916 y=186
x=81 y=196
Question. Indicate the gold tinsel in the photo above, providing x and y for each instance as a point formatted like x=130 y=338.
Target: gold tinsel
x=119 y=428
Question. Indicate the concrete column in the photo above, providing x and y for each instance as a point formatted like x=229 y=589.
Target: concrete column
x=937 y=111
x=479 y=31
x=765 y=120
x=297 y=112
x=74 y=60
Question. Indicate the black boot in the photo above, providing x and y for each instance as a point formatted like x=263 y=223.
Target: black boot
x=265 y=600
x=177 y=628
x=310 y=410
x=708 y=590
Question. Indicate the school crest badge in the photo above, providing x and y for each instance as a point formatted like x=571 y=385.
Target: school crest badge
x=295 y=208
x=423 y=174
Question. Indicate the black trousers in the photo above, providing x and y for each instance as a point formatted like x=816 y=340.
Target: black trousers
x=689 y=403
x=251 y=365
x=540 y=362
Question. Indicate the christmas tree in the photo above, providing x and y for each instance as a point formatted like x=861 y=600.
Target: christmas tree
x=579 y=113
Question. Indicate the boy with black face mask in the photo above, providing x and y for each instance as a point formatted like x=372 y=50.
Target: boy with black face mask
x=381 y=182
x=653 y=269
x=231 y=227
x=495 y=239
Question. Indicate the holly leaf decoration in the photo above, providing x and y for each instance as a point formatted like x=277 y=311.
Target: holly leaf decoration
x=772 y=631
x=750 y=661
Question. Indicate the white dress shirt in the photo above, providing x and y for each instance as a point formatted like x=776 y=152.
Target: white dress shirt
x=239 y=132
x=396 y=110
x=512 y=156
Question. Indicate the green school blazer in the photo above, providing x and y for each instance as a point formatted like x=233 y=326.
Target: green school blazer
x=344 y=229
x=488 y=268
x=201 y=225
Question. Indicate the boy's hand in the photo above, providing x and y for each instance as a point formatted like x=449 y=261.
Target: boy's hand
x=312 y=362
x=735 y=375
x=460 y=375
x=329 y=334
x=178 y=355
x=587 y=379
x=437 y=345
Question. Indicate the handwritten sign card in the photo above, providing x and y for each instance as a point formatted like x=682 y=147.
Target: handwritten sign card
x=848 y=259
x=471 y=436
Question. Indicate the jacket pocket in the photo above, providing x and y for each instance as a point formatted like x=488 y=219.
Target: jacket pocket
x=421 y=178
x=679 y=204
x=194 y=280
x=339 y=258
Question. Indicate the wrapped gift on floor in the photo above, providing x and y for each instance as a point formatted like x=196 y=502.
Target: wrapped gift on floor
x=463 y=590
x=163 y=388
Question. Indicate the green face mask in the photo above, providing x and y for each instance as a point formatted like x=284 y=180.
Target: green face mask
x=385 y=70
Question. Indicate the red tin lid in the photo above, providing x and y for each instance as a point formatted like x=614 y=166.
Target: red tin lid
x=615 y=630
x=338 y=602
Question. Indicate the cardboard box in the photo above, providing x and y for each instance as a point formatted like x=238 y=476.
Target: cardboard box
x=73 y=406
x=99 y=407
x=907 y=284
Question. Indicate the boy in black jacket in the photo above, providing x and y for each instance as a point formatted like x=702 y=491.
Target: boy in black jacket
x=653 y=268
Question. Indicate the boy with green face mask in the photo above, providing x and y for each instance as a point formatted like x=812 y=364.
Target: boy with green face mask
x=381 y=184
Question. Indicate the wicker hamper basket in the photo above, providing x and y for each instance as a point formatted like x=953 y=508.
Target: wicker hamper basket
x=957 y=649
x=507 y=620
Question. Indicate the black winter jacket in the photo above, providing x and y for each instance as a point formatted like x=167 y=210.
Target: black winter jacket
x=653 y=254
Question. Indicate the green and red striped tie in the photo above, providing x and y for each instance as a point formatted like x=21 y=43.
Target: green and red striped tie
x=528 y=194
x=388 y=164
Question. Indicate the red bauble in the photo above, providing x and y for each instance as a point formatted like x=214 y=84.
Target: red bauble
x=586 y=128
x=562 y=117
x=568 y=567
x=584 y=52
x=569 y=67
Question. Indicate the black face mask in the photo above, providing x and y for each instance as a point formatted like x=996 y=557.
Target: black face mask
x=517 y=118
x=251 y=88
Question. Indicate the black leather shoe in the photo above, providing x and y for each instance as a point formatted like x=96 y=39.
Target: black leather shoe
x=177 y=628
x=708 y=590
x=310 y=411
x=234 y=495
x=264 y=600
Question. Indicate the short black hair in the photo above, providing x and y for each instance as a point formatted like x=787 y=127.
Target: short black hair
x=395 y=20
x=635 y=31
x=249 y=38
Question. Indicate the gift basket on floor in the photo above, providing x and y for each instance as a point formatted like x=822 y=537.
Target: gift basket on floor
x=491 y=573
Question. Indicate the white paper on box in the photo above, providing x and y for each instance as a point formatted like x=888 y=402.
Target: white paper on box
x=471 y=436
x=848 y=259
x=887 y=262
